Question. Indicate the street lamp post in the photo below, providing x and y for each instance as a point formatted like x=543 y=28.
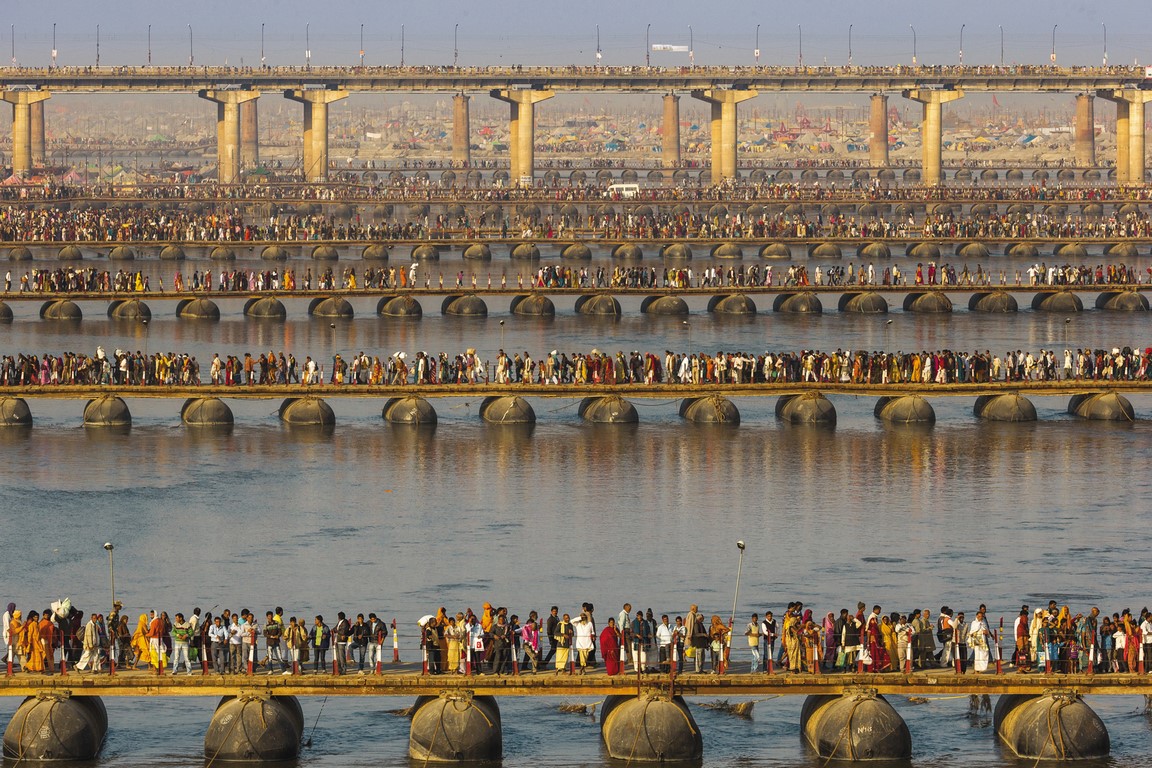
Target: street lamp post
x=307 y=46
x=149 y=45
x=111 y=572
x=647 y=47
x=361 y=45
x=691 y=48
x=688 y=325
x=54 y=45
x=913 y=44
x=599 y=55
x=849 y=45
x=401 y=46
x=735 y=599
x=1105 y=26
x=97 y=48
x=756 y=50
x=191 y=55
x=962 y=44
x=1054 y=44
x=800 y=51
x=455 y=45
x=1001 y=46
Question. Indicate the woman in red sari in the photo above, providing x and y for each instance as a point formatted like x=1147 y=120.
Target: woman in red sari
x=610 y=648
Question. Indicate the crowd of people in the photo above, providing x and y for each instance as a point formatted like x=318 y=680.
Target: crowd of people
x=166 y=369
x=73 y=279
x=776 y=211
x=497 y=641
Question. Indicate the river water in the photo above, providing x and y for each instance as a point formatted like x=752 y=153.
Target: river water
x=370 y=517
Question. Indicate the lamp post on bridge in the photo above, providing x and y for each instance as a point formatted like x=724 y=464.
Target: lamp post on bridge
x=261 y=45
x=97 y=48
x=647 y=47
x=307 y=46
x=1054 y=44
x=111 y=572
x=849 y=46
x=913 y=44
x=1105 y=26
x=361 y=46
x=149 y=45
x=401 y=46
x=756 y=50
x=691 y=49
x=191 y=54
x=598 y=53
x=54 y=45
x=962 y=44
x=455 y=45
x=1001 y=45
x=800 y=52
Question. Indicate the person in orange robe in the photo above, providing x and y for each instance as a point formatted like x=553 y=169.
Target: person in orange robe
x=31 y=647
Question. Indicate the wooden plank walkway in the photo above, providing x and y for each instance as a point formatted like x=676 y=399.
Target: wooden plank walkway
x=481 y=290
x=407 y=681
x=574 y=391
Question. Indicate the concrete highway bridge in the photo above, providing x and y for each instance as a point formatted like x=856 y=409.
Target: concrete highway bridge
x=644 y=718
x=236 y=90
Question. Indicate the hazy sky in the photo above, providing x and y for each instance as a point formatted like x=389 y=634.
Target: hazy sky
x=546 y=32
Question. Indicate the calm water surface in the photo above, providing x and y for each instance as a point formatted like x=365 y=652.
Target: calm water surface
x=370 y=517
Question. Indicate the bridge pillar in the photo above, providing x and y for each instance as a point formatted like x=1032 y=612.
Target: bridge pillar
x=878 y=131
x=57 y=727
x=522 y=133
x=36 y=113
x=1130 y=144
x=249 y=135
x=461 y=131
x=1084 y=132
x=724 y=130
x=22 y=102
x=670 y=138
x=315 y=129
x=650 y=729
x=931 y=129
x=228 y=130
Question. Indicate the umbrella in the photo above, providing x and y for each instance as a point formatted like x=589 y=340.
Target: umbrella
x=424 y=620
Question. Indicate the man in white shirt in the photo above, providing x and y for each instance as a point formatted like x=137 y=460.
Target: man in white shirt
x=664 y=640
x=624 y=624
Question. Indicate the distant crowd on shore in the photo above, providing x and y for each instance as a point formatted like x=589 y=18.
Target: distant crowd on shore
x=166 y=369
x=497 y=641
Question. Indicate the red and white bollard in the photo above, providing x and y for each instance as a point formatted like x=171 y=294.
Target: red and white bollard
x=251 y=659
x=395 y=644
x=515 y=662
x=908 y=659
x=424 y=665
x=999 y=652
x=468 y=661
x=1092 y=659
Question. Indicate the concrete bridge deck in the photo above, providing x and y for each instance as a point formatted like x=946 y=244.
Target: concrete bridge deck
x=1027 y=79
x=407 y=681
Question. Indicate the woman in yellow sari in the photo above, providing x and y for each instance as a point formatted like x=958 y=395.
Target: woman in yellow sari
x=140 y=642
x=32 y=646
x=888 y=638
